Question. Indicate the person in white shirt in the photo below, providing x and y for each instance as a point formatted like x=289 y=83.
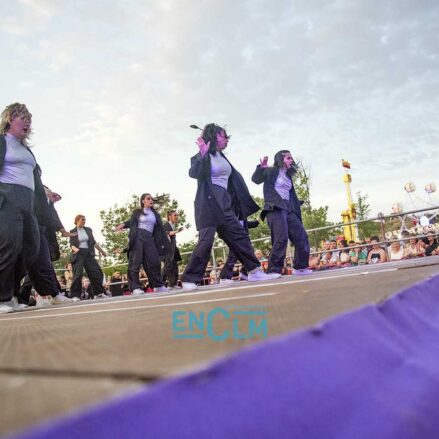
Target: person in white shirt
x=19 y=233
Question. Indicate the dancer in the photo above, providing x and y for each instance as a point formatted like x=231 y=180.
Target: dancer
x=147 y=242
x=19 y=234
x=83 y=246
x=170 y=269
x=226 y=273
x=41 y=272
x=282 y=210
x=219 y=186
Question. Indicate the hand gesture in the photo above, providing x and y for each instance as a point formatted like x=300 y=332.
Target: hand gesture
x=119 y=228
x=54 y=197
x=67 y=234
x=264 y=162
x=203 y=146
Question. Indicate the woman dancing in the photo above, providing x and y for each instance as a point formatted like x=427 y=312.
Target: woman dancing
x=83 y=246
x=282 y=210
x=219 y=187
x=19 y=233
x=147 y=242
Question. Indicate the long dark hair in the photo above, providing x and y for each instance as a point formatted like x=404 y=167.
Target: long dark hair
x=142 y=197
x=209 y=135
x=279 y=162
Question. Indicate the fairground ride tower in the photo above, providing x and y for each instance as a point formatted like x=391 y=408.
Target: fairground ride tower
x=349 y=230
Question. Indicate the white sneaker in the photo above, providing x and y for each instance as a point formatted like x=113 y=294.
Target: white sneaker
x=226 y=281
x=43 y=301
x=138 y=292
x=102 y=296
x=11 y=306
x=301 y=271
x=257 y=275
x=75 y=299
x=161 y=289
x=243 y=276
x=60 y=299
x=189 y=286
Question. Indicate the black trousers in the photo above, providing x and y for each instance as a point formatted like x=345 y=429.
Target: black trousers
x=19 y=237
x=231 y=232
x=85 y=260
x=229 y=265
x=283 y=226
x=144 y=252
x=41 y=273
x=170 y=269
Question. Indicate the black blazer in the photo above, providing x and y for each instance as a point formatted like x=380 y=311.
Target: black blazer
x=272 y=199
x=161 y=239
x=45 y=212
x=207 y=210
x=91 y=241
x=168 y=228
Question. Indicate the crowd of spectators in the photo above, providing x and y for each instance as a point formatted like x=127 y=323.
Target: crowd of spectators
x=333 y=253
x=338 y=253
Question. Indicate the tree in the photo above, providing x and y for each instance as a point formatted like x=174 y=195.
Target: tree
x=65 y=253
x=116 y=242
x=368 y=229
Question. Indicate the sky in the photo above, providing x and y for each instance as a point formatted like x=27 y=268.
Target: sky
x=113 y=86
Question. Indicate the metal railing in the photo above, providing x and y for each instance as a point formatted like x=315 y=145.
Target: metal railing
x=379 y=218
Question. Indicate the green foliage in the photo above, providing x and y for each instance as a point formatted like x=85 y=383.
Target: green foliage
x=65 y=251
x=365 y=230
x=187 y=247
x=116 y=242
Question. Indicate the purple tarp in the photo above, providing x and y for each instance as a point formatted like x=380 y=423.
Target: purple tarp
x=371 y=373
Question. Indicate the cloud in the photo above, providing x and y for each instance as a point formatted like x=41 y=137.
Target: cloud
x=115 y=85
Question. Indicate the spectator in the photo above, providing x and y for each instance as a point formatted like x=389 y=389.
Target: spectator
x=395 y=251
x=430 y=244
x=262 y=259
x=344 y=257
x=116 y=284
x=314 y=261
x=376 y=254
x=412 y=248
x=68 y=275
x=335 y=254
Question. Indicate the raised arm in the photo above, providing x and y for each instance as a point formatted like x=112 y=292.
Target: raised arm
x=259 y=175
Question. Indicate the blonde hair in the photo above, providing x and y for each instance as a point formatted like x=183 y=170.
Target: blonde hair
x=11 y=112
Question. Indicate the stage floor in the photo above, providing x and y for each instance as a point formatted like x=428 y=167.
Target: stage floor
x=57 y=360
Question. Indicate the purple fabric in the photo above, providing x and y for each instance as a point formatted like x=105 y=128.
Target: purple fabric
x=370 y=373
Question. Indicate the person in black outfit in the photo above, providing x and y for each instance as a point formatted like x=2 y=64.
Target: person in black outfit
x=228 y=270
x=83 y=246
x=219 y=187
x=41 y=273
x=147 y=242
x=170 y=268
x=116 y=285
x=430 y=244
x=282 y=210
x=19 y=234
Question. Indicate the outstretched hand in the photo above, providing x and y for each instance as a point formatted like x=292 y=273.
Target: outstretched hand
x=119 y=227
x=264 y=162
x=67 y=234
x=204 y=147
